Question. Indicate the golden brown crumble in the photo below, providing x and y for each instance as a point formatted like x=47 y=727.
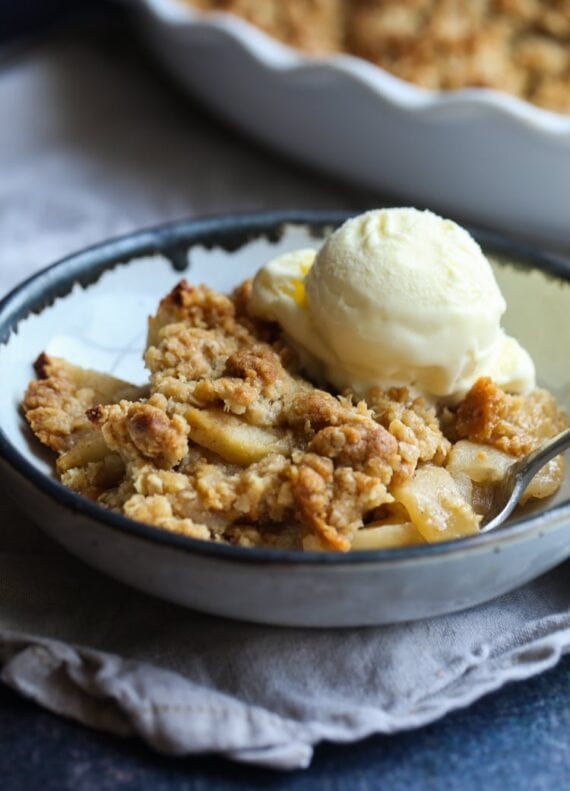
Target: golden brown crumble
x=512 y=423
x=231 y=444
x=56 y=404
x=311 y=25
x=518 y=46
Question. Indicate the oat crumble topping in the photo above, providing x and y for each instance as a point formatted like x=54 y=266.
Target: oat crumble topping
x=229 y=443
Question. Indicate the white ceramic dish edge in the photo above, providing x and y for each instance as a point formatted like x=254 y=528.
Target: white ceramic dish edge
x=476 y=155
x=273 y=54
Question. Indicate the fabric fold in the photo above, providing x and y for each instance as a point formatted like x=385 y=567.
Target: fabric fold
x=413 y=675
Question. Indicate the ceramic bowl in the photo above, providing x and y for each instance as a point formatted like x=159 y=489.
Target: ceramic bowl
x=479 y=154
x=92 y=309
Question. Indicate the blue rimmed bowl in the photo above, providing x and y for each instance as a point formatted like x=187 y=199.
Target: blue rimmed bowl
x=92 y=308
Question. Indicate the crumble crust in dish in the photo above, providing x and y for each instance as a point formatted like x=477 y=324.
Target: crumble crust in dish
x=518 y=46
x=229 y=443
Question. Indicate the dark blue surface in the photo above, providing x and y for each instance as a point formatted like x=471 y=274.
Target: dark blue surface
x=517 y=738
x=25 y=17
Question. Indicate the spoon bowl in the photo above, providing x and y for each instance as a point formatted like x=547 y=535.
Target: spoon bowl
x=510 y=490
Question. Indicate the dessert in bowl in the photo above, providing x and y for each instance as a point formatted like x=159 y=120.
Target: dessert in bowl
x=362 y=395
x=338 y=470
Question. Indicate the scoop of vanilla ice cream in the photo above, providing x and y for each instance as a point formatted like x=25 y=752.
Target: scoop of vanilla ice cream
x=278 y=294
x=395 y=297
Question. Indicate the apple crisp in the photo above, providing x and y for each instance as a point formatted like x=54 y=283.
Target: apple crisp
x=230 y=443
x=518 y=46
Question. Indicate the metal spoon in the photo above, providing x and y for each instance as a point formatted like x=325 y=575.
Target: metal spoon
x=510 y=490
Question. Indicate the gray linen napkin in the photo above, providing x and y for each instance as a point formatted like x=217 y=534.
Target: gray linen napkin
x=75 y=171
x=92 y=649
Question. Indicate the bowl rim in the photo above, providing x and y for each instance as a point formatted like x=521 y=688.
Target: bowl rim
x=230 y=232
x=273 y=55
